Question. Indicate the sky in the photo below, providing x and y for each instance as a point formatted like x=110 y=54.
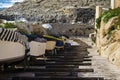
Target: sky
x=8 y=3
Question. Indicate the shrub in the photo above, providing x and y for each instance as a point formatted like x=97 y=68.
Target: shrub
x=98 y=20
x=107 y=16
x=9 y=25
x=1 y=26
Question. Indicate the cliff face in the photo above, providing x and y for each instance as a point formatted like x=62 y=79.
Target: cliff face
x=108 y=36
x=54 y=10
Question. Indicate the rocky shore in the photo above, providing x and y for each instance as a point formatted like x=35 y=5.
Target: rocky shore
x=52 y=11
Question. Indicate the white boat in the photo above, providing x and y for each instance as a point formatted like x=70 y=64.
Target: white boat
x=12 y=46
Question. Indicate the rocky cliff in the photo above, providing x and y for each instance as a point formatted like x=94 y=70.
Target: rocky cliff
x=53 y=10
x=108 y=35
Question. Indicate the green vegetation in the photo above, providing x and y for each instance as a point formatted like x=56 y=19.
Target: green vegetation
x=117 y=23
x=1 y=26
x=107 y=15
x=111 y=31
x=8 y=25
x=111 y=13
x=98 y=20
x=19 y=22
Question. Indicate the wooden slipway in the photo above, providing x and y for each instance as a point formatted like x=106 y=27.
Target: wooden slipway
x=65 y=65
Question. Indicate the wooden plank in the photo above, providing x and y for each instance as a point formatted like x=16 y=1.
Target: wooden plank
x=68 y=57
x=80 y=55
x=69 y=60
x=62 y=66
x=34 y=70
x=54 y=66
x=67 y=54
x=62 y=74
x=60 y=63
x=54 y=60
x=60 y=70
x=57 y=78
x=62 y=60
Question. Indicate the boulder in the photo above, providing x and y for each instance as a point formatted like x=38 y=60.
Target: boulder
x=104 y=41
x=39 y=30
x=24 y=27
x=108 y=40
x=105 y=38
x=115 y=57
x=116 y=35
x=109 y=49
x=109 y=24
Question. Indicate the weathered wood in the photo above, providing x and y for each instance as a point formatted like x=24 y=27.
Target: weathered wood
x=61 y=66
x=62 y=74
x=59 y=70
x=61 y=63
x=69 y=57
x=63 y=60
x=57 y=78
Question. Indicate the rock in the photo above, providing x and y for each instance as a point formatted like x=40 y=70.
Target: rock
x=109 y=24
x=109 y=49
x=115 y=57
x=116 y=35
x=38 y=29
x=108 y=40
x=24 y=27
x=105 y=27
x=52 y=10
x=104 y=41
x=88 y=31
x=102 y=33
x=104 y=36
